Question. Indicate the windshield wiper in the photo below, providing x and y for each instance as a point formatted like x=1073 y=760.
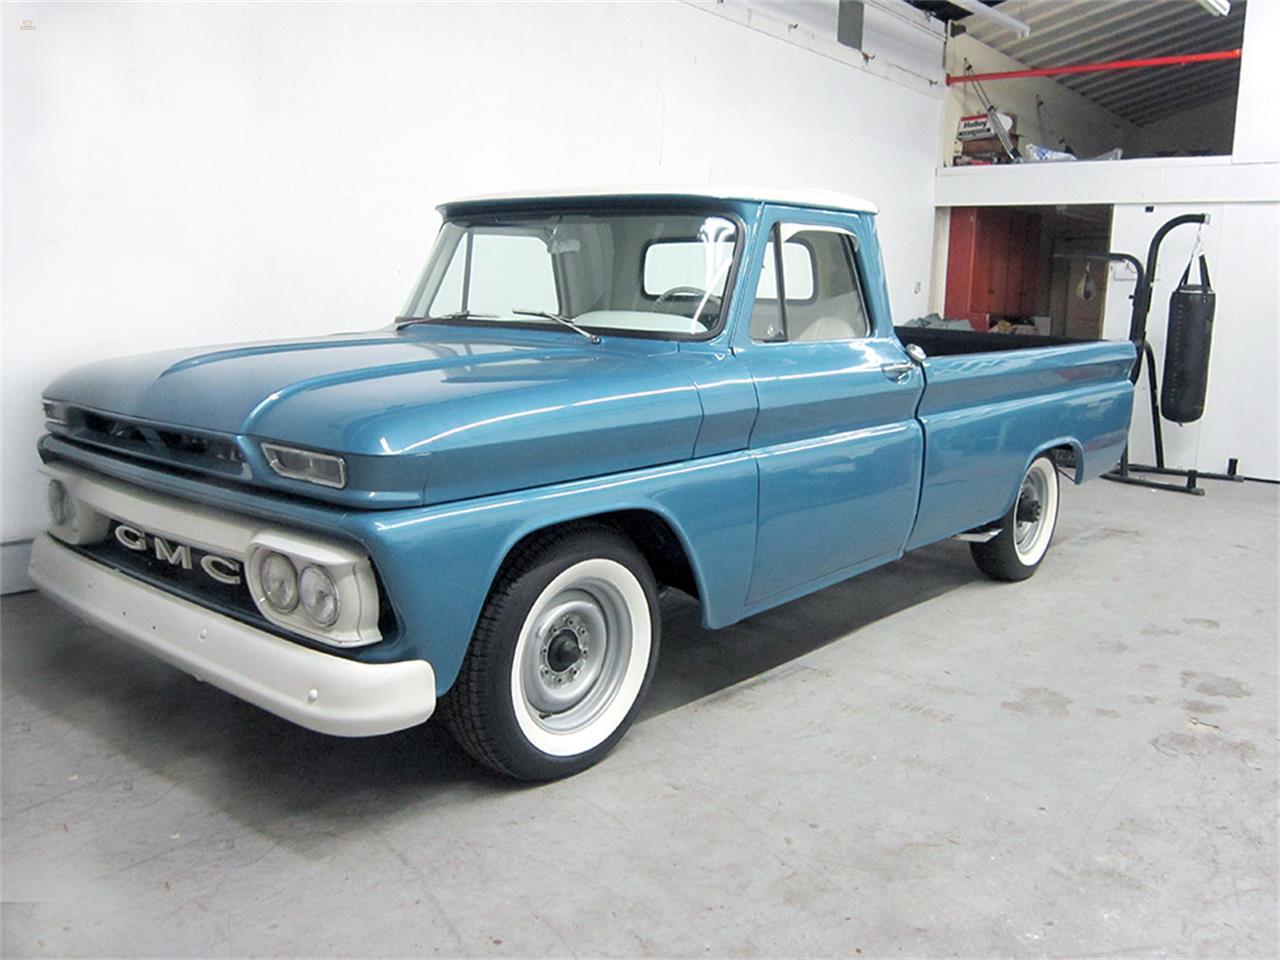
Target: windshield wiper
x=456 y=315
x=558 y=318
x=470 y=315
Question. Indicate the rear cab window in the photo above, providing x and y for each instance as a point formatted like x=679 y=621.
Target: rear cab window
x=674 y=265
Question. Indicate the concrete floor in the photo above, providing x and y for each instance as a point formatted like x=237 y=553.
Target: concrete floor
x=917 y=762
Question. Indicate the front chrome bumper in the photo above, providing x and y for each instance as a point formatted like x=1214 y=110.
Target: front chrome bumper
x=317 y=690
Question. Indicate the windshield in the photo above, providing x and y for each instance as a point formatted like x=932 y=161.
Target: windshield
x=659 y=274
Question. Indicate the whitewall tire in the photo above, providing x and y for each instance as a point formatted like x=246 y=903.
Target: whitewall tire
x=561 y=658
x=1027 y=529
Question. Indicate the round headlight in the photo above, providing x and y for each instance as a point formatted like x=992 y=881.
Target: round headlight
x=59 y=508
x=279 y=581
x=319 y=596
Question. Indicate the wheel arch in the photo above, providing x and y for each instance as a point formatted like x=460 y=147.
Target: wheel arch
x=695 y=523
x=659 y=536
x=1067 y=454
x=655 y=534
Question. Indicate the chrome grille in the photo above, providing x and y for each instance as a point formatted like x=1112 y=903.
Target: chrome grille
x=188 y=448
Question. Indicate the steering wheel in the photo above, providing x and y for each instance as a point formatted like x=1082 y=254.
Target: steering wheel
x=710 y=311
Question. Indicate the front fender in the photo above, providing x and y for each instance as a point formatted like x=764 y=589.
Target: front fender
x=437 y=564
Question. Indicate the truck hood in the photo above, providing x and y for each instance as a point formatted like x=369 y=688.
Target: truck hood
x=485 y=411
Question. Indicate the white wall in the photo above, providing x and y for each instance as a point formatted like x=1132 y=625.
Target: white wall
x=1242 y=409
x=178 y=175
x=1257 y=135
x=899 y=41
x=1147 y=180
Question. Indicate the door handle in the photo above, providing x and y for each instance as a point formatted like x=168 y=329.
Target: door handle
x=897 y=371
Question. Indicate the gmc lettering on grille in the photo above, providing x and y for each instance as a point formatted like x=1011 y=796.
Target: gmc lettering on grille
x=222 y=569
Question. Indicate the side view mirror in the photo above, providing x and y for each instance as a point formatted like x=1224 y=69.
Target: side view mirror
x=916 y=353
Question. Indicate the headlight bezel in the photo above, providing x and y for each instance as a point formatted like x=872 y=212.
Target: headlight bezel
x=355 y=588
x=298 y=463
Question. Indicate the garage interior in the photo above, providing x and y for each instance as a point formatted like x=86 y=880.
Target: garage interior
x=1021 y=267
x=915 y=762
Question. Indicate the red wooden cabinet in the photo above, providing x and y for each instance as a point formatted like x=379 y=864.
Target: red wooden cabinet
x=993 y=264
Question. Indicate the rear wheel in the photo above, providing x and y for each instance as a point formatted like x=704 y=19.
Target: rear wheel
x=1026 y=530
x=561 y=658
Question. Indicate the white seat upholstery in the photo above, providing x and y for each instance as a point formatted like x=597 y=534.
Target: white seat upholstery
x=826 y=328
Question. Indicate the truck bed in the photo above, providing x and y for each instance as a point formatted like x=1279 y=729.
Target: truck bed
x=938 y=342
x=991 y=400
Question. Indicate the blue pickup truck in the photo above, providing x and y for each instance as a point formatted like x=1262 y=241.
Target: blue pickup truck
x=588 y=397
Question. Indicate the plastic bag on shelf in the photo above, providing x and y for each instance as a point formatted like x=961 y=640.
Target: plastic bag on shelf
x=1039 y=154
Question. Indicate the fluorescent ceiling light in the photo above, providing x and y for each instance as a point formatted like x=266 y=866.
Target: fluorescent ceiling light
x=980 y=9
x=1219 y=8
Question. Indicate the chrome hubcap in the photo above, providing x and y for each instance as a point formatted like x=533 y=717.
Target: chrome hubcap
x=578 y=655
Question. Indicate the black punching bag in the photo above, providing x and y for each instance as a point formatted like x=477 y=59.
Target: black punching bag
x=1186 y=348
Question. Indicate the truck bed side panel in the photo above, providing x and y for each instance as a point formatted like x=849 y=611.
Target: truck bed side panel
x=985 y=416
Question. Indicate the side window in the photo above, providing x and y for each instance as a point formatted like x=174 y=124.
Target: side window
x=821 y=298
x=506 y=272
x=448 y=298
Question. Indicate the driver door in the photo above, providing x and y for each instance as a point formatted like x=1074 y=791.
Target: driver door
x=836 y=440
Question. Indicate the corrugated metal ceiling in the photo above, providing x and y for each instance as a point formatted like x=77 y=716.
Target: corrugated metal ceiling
x=1092 y=31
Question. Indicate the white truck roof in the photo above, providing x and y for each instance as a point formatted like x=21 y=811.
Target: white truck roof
x=827 y=199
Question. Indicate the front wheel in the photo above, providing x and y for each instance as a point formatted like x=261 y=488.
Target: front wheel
x=561 y=657
x=1026 y=530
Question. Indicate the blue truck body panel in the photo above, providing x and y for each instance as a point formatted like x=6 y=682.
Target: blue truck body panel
x=780 y=467
x=985 y=417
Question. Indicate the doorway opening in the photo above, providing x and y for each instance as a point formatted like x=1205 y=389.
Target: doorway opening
x=1011 y=270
